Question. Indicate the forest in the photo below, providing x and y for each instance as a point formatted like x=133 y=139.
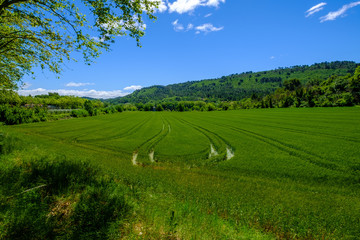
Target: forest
x=334 y=91
x=236 y=87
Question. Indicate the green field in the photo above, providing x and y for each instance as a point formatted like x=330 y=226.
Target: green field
x=289 y=173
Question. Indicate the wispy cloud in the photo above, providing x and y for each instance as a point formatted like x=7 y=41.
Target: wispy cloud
x=132 y=88
x=180 y=27
x=272 y=57
x=79 y=93
x=74 y=84
x=341 y=12
x=183 y=6
x=177 y=26
x=207 y=27
x=315 y=9
x=208 y=15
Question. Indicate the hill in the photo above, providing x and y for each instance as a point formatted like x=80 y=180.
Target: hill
x=237 y=86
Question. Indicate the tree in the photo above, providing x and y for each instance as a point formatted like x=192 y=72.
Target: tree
x=292 y=84
x=45 y=32
x=354 y=85
x=89 y=107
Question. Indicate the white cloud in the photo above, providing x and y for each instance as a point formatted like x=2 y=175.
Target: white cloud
x=177 y=26
x=315 y=9
x=74 y=84
x=207 y=27
x=183 y=6
x=162 y=7
x=84 y=93
x=214 y=3
x=341 y=12
x=208 y=15
x=272 y=58
x=133 y=88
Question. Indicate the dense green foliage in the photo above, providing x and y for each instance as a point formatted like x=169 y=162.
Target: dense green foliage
x=11 y=115
x=44 y=33
x=291 y=172
x=15 y=109
x=237 y=86
x=46 y=197
x=336 y=91
x=53 y=99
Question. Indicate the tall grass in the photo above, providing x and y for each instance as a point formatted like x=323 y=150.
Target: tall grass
x=47 y=197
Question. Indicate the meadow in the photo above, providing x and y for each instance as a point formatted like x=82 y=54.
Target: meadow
x=259 y=173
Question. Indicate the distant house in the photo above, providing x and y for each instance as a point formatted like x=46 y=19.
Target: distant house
x=33 y=105
x=52 y=107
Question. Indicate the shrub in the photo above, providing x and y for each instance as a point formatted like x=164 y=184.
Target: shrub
x=9 y=143
x=47 y=198
x=79 y=113
x=12 y=115
x=119 y=108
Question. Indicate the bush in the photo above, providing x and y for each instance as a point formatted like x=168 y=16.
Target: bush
x=47 y=198
x=79 y=113
x=12 y=115
x=345 y=100
x=119 y=108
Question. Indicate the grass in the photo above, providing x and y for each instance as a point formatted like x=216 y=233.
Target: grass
x=295 y=173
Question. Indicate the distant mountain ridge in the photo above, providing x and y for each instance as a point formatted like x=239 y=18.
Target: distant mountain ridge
x=237 y=86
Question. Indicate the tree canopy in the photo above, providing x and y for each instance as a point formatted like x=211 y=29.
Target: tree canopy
x=44 y=33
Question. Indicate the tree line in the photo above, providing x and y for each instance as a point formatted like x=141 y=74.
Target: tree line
x=16 y=109
x=335 y=91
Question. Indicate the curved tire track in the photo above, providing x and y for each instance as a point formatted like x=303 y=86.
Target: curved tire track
x=222 y=147
x=292 y=150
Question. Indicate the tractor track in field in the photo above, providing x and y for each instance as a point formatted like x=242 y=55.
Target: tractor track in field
x=288 y=129
x=292 y=150
x=126 y=132
x=350 y=139
x=156 y=141
x=222 y=147
x=305 y=132
x=92 y=127
x=150 y=139
x=149 y=145
x=212 y=143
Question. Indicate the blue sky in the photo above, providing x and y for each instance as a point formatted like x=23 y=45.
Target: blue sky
x=202 y=39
